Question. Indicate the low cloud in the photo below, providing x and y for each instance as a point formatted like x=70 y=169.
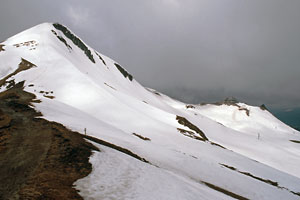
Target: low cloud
x=78 y=15
x=196 y=50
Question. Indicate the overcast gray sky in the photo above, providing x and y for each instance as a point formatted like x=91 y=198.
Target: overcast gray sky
x=193 y=50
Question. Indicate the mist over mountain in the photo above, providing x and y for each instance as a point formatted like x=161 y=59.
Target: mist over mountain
x=235 y=48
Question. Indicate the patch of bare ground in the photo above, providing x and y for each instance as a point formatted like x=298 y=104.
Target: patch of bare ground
x=267 y=181
x=295 y=141
x=153 y=91
x=116 y=147
x=263 y=107
x=231 y=101
x=224 y=191
x=189 y=106
x=246 y=110
x=252 y=176
x=23 y=65
x=62 y=40
x=157 y=93
x=31 y=44
x=190 y=134
x=183 y=121
x=124 y=72
x=100 y=58
x=141 y=137
x=1 y=47
x=38 y=159
x=296 y=193
x=46 y=94
x=110 y=86
x=49 y=96
x=216 y=144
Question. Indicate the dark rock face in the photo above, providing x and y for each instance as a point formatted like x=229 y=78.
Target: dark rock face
x=75 y=40
x=124 y=72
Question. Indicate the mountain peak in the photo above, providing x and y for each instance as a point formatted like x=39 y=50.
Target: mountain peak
x=195 y=149
x=40 y=29
x=231 y=101
x=74 y=39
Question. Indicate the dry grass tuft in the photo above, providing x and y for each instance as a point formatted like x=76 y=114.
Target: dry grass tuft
x=267 y=181
x=141 y=137
x=224 y=191
x=1 y=47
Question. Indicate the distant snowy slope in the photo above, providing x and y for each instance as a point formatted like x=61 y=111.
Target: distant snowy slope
x=245 y=118
x=197 y=148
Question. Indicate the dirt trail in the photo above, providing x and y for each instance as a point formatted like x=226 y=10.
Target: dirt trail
x=38 y=159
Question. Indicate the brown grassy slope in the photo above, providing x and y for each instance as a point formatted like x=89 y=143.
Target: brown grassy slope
x=38 y=159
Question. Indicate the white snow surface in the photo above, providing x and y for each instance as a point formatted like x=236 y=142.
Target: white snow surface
x=98 y=98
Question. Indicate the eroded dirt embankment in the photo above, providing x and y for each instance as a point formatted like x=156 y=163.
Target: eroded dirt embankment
x=38 y=159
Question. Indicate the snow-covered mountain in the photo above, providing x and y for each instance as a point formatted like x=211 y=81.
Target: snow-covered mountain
x=228 y=150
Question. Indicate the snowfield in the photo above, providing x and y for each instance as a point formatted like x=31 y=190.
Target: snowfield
x=249 y=153
x=133 y=179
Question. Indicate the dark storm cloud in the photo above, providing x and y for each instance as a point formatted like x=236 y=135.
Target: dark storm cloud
x=195 y=50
